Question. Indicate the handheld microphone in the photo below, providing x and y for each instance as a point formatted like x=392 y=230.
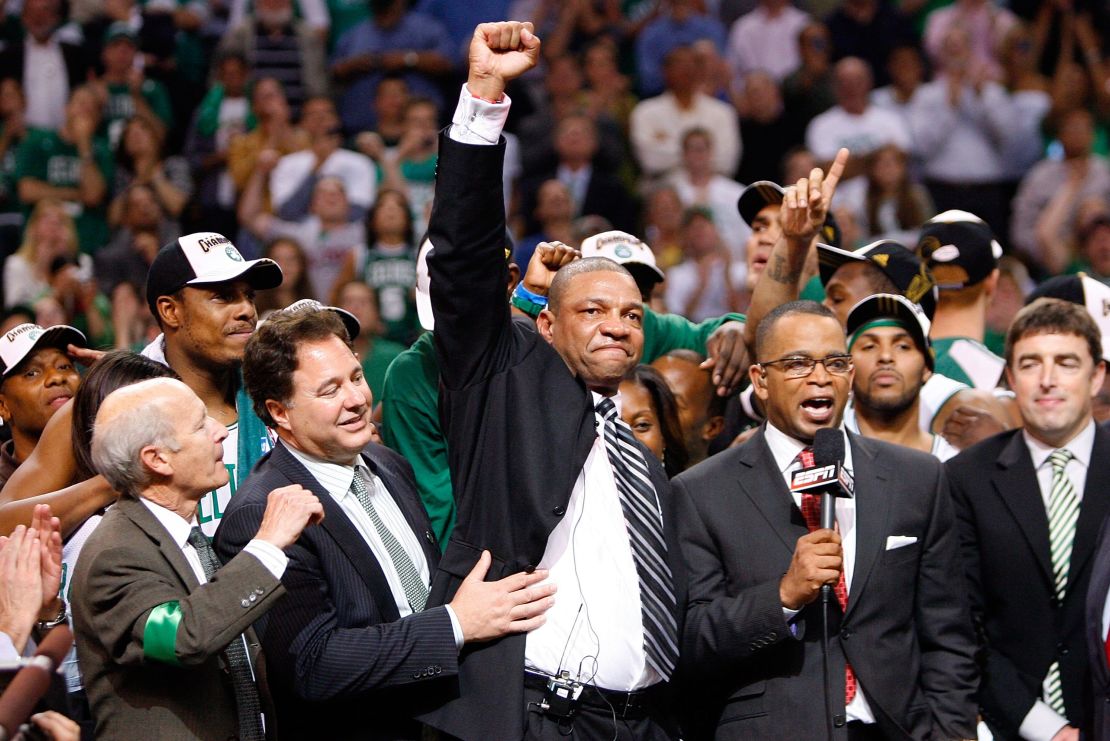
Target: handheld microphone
x=32 y=681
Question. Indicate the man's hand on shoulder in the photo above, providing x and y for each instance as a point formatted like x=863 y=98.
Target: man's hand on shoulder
x=289 y=510
x=500 y=52
x=491 y=609
x=728 y=357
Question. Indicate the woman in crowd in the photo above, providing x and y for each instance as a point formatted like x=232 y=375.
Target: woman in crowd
x=885 y=203
x=650 y=409
x=139 y=161
x=290 y=257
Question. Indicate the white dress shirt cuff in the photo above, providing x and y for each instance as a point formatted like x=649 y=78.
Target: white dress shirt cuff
x=8 y=650
x=456 y=628
x=1041 y=723
x=270 y=555
x=478 y=121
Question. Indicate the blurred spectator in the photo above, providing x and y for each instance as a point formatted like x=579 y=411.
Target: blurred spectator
x=1030 y=100
x=124 y=90
x=71 y=165
x=390 y=100
x=649 y=407
x=960 y=122
x=293 y=180
x=593 y=189
x=885 y=203
x=797 y=164
x=278 y=45
x=1046 y=202
x=663 y=225
x=658 y=124
x=854 y=122
x=700 y=409
x=460 y=18
x=374 y=352
x=767 y=39
x=1014 y=284
x=870 y=30
x=569 y=26
x=138 y=209
x=985 y=24
x=808 y=91
x=608 y=92
x=393 y=40
x=13 y=127
x=127 y=257
x=47 y=65
x=679 y=24
x=290 y=257
x=222 y=114
x=410 y=167
x=327 y=233
x=140 y=162
x=322 y=16
x=703 y=285
x=766 y=128
x=1094 y=247
x=386 y=261
x=905 y=67
x=50 y=235
x=275 y=131
x=714 y=73
x=697 y=185
x=553 y=215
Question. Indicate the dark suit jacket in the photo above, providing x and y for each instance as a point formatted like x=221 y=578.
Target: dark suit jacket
x=342 y=664
x=128 y=566
x=76 y=61
x=1022 y=627
x=906 y=630
x=519 y=427
x=606 y=196
x=1096 y=637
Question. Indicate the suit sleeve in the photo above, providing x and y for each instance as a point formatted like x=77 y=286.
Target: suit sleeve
x=305 y=643
x=467 y=267
x=122 y=590
x=721 y=628
x=949 y=675
x=1004 y=698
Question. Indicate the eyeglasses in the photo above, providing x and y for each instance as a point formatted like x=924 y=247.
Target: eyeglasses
x=800 y=366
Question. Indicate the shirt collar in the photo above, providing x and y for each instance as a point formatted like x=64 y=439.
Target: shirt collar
x=176 y=525
x=616 y=398
x=334 y=477
x=1079 y=446
x=785 y=449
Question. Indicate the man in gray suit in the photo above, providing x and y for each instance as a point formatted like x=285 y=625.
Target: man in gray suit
x=900 y=657
x=162 y=628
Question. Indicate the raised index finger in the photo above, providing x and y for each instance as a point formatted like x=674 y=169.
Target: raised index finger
x=836 y=170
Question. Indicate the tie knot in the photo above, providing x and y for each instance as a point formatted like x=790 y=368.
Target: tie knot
x=1059 y=458
x=607 y=409
x=198 y=539
x=805 y=457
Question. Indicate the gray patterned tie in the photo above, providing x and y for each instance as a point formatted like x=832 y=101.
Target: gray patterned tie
x=246 y=693
x=416 y=591
x=644 y=523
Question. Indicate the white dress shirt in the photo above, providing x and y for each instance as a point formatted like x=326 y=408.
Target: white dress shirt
x=336 y=480
x=46 y=83
x=785 y=450
x=1041 y=723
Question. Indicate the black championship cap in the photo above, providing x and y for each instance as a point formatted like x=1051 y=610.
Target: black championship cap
x=891 y=310
x=1084 y=290
x=765 y=193
x=904 y=269
x=204 y=258
x=959 y=248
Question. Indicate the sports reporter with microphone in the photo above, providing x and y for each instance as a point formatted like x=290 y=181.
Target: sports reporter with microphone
x=900 y=656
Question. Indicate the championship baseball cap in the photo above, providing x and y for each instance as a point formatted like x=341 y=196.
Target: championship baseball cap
x=350 y=321
x=624 y=249
x=204 y=258
x=22 y=340
x=1083 y=290
x=959 y=248
x=905 y=270
x=891 y=310
x=765 y=193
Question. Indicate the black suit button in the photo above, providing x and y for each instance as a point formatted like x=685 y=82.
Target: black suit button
x=439 y=670
x=559 y=511
x=529 y=568
x=839 y=721
x=845 y=634
x=416 y=675
x=429 y=537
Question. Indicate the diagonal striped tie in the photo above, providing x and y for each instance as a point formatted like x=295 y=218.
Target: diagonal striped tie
x=1063 y=512
x=247 y=703
x=416 y=591
x=644 y=521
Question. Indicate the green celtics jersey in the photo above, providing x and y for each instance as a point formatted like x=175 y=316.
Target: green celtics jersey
x=391 y=272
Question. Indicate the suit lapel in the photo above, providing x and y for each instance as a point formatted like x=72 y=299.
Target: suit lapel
x=1096 y=504
x=137 y=512
x=343 y=532
x=1015 y=481
x=872 y=512
x=765 y=487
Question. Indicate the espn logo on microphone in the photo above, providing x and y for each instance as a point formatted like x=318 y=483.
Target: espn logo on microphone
x=811 y=478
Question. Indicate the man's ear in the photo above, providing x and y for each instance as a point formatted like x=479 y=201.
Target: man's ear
x=545 y=323
x=155 y=459
x=169 y=312
x=759 y=381
x=712 y=427
x=280 y=414
x=5 y=411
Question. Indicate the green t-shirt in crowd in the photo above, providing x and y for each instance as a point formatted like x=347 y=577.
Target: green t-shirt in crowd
x=121 y=107
x=392 y=274
x=45 y=156
x=377 y=362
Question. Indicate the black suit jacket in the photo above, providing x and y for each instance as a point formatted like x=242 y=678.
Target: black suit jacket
x=906 y=630
x=519 y=427
x=1021 y=626
x=76 y=60
x=1096 y=637
x=342 y=664
x=605 y=196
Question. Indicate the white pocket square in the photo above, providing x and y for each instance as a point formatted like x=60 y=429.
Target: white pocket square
x=899 y=541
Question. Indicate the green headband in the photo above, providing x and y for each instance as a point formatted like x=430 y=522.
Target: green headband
x=871 y=325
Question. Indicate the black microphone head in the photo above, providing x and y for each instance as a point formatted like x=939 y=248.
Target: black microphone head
x=828 y=447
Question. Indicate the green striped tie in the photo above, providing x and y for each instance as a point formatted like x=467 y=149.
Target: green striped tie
x=1063 y=512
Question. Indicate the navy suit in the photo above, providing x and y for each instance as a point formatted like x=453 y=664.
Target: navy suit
x=342 y=663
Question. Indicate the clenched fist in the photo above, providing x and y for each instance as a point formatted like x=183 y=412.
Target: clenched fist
x=289 y=510
x=500 y=52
